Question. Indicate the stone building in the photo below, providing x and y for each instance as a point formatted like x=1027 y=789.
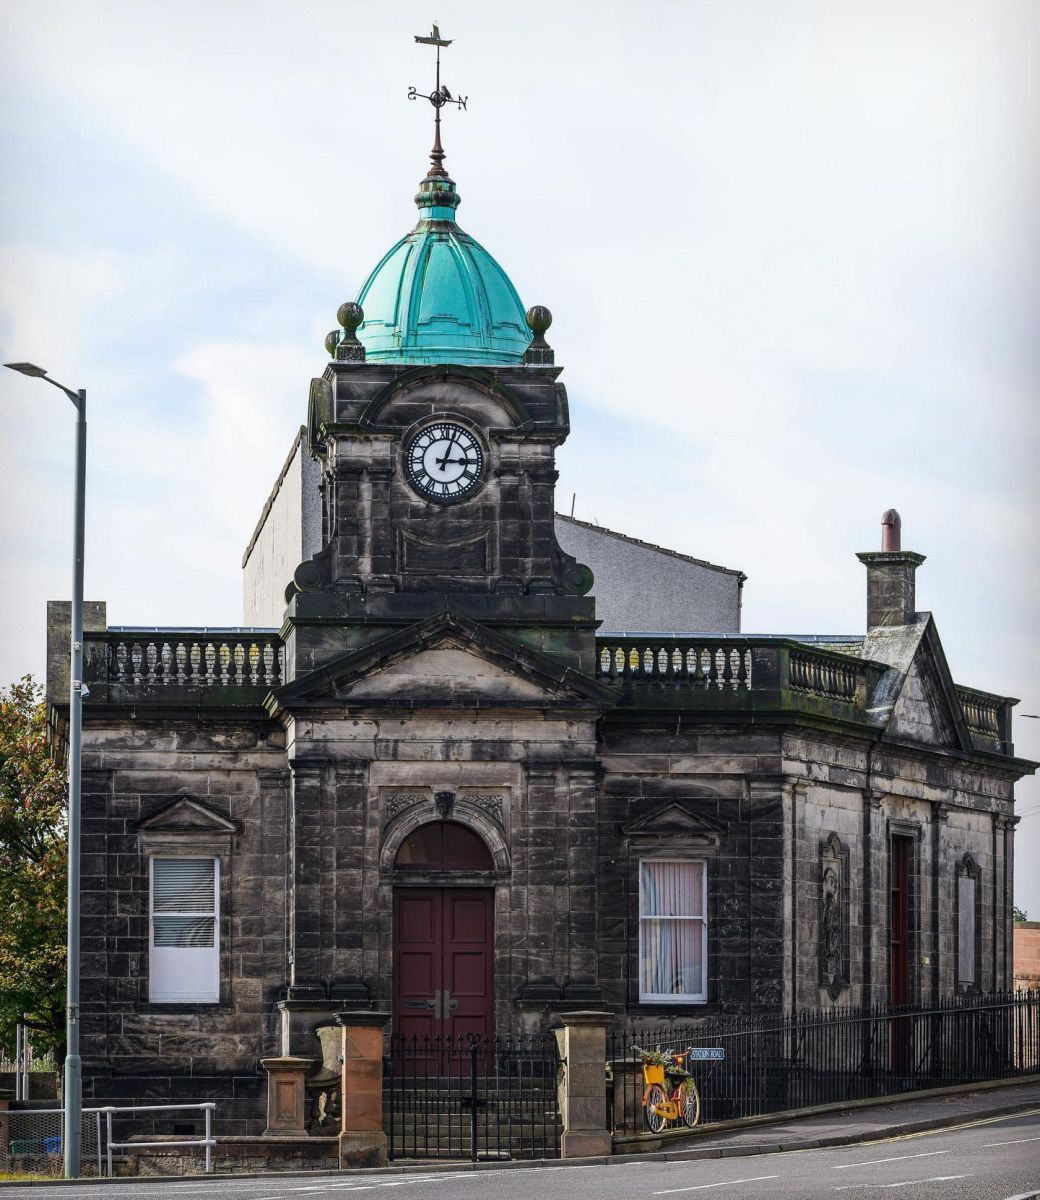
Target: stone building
x=440 y=787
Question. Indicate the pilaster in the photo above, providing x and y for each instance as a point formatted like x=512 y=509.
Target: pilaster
x=875 y=898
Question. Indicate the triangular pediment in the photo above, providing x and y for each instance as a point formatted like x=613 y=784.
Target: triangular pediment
x=917 y=700
x=186 y=815
x=445 y=662
x=676 y=819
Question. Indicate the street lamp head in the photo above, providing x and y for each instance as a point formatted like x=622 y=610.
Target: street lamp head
x=28 y=369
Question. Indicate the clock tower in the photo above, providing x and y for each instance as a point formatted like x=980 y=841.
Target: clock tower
x=436 y=424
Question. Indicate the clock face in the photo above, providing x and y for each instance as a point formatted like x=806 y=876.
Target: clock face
x=444 y=461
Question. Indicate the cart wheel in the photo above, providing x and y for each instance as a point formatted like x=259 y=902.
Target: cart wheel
x=655 y=1098
x=689 y=1102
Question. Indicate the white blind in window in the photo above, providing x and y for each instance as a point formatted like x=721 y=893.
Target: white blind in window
x=183 y=885
x=184 y=960
x=672 y=930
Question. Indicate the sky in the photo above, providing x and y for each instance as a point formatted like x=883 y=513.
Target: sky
x=790 y=247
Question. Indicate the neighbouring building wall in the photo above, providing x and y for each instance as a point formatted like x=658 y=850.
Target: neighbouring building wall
x=289 y=531
x=1027 y=954
x=641 y=588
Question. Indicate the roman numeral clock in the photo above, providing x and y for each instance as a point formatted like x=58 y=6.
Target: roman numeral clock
x=444 y=462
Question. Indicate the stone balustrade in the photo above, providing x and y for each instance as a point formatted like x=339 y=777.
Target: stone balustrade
x=234 y=666
x=238 y=667
x=827 y=675
x=707 y=664
x=988 y=718
x=736 y=665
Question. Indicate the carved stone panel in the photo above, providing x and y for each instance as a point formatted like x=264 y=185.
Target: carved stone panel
x=834 y=916
x=395 y=803
x=491 y=804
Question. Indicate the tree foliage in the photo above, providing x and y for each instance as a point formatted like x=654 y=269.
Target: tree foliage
x=1020 y=915
x=33 y=856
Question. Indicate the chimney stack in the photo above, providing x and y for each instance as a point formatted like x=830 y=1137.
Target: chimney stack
x=891 y=577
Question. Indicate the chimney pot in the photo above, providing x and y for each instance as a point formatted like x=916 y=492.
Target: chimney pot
x=891 y=530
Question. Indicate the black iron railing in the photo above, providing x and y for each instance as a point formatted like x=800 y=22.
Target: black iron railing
x=472 y=1097
x=834 y=1055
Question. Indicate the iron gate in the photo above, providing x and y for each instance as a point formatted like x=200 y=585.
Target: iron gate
x=472 y=1097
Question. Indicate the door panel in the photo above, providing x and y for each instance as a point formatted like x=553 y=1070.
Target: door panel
x=417 y=961
x=469 y=941
x=443 y=964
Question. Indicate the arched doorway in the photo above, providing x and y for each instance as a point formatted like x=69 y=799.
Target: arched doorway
x=444 y=925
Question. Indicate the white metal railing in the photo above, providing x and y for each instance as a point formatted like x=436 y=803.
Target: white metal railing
x=208 y=1141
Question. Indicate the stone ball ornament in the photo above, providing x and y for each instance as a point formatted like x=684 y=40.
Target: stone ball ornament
x=539 y=318
x=332 y=341
x=350 y=315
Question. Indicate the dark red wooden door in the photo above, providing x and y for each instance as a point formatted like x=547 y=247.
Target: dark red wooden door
x=443 y=961
x=899 y=950
x=899 y=918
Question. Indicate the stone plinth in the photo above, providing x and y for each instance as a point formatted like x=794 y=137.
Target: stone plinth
x=583 y=1099
x=286 y=1110
x=362 y=1142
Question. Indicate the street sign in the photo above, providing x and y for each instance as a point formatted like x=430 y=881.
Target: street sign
x=707 y=1054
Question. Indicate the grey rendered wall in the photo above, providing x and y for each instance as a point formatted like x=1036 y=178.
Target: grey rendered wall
x=643 y=589
x=289 y=531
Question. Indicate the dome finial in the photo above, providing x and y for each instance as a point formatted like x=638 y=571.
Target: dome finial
x=539 y=353
x=438 y=98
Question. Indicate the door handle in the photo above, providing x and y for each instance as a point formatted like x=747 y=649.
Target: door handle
x=450 y=1005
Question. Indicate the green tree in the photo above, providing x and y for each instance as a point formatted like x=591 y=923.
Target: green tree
x=1020 y=914
x=33 y=855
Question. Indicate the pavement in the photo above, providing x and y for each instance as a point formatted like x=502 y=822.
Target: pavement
x=975 y=1149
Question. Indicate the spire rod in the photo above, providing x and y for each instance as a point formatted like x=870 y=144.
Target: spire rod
x=439 y=97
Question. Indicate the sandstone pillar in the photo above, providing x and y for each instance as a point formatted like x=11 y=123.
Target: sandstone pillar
x=362 y=1142
x=583 y=1096
x=286 y=1109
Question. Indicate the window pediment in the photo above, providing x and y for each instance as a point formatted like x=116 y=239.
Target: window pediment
x=673 y=823
x=187 y=816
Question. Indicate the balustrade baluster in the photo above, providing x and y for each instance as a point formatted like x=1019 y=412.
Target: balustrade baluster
x=165 y=662
x=195 y=659
x=136 y=661
x=121 y=656
x=181 y=658
x=238 y=658
x=224 y=662
x=718 y=661
x=151 y=655
x=697 y=677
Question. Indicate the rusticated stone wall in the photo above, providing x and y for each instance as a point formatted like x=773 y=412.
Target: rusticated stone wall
x=135 y=1051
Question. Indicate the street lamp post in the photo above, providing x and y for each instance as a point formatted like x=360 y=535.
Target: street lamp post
x=73 y=1088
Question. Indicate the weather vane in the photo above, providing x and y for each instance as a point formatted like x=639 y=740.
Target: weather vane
x=438 y=98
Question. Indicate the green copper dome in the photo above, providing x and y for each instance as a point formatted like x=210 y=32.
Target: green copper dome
x=439 y=297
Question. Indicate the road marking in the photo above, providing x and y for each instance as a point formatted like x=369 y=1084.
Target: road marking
x=848 y=1187
x=700 y=1187
x=896 y=1158
x=1013 y=1142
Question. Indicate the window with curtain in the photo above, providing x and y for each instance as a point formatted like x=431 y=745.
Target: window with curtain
x=184 y=963
x=673 y=935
